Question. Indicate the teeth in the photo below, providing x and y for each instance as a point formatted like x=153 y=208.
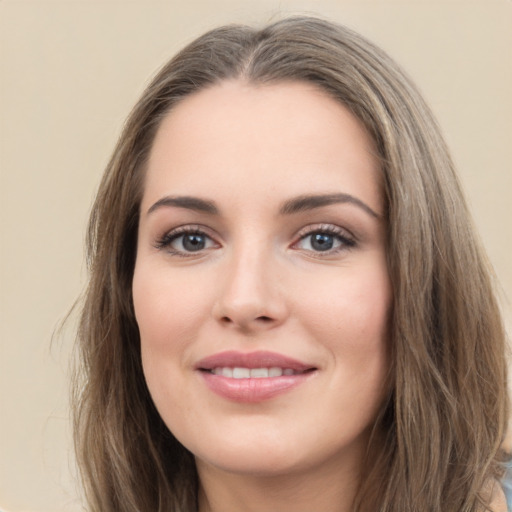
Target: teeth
x=255 y=373
x=227 y=372
x=241 y=373
x=275 y=372
x=259 y=372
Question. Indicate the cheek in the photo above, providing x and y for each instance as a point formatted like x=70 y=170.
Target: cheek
x=354 y=308
x=166 y=308
x=350 y=317
x=167 y=311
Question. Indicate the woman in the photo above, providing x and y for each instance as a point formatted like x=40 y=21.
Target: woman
x=288 y=308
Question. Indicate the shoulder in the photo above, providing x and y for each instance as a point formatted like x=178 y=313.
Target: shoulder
x=498 y=501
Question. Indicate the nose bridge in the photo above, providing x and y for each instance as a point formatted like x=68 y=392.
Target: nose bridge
x=247 y=273
x=249 y=296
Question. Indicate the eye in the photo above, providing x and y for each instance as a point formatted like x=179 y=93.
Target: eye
x=327 y=240
x=185 y=241
x=190 y=242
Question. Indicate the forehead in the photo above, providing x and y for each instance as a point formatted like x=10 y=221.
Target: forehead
x=291 y=137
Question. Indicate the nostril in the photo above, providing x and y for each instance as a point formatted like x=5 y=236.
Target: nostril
x=262 y=319
x=265 y=319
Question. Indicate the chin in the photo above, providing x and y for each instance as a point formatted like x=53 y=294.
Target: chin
x=274 y=456
x=258 y=457
x=257 y=463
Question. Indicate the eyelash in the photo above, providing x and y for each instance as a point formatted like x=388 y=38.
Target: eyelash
x=346 y=241
x=168 y=238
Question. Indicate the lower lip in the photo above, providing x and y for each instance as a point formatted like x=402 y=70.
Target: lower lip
x=253 y=390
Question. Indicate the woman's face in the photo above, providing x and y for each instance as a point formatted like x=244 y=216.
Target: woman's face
x=261 y=289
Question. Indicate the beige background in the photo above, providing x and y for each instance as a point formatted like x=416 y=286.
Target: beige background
x=71 y=70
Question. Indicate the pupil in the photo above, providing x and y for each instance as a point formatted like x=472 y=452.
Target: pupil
x=322 y=242
x=193 y=242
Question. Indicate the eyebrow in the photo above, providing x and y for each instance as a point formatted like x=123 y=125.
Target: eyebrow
x=295 y=205
x=310 y=202
x=188 y=202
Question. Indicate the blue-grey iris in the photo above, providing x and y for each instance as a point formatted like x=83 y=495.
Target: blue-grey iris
x=322 y=242
x=194 y=242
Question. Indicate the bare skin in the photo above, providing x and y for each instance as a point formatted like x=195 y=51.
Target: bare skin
x=262 y=229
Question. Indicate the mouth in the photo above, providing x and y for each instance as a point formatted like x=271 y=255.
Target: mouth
x=255 y=373
x=252 y=377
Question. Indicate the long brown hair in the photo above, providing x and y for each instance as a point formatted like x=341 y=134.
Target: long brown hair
x=443 y=423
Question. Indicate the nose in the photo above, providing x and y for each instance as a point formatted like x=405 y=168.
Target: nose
x=250 y=296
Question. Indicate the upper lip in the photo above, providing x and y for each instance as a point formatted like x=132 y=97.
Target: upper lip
x=258 y=359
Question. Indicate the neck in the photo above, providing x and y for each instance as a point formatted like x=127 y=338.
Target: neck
x=330 y=488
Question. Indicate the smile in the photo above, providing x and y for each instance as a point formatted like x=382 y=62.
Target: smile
x=252 y=377
x=253 y=373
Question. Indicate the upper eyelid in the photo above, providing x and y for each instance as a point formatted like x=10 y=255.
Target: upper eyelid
x=349 y=241
x=171 y=234
x=327 y=227
x=189 y=228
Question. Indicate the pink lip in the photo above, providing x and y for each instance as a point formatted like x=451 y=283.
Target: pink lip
x=253 y=389
x=258 y=359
